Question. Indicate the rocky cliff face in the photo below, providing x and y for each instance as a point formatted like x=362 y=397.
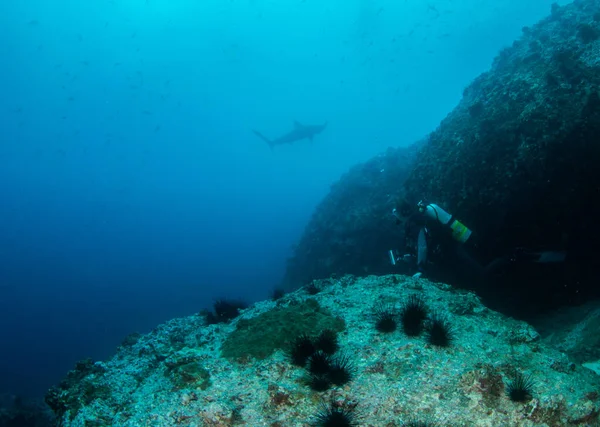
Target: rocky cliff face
x=353 y=227
x=518 y=156
x=517 y=161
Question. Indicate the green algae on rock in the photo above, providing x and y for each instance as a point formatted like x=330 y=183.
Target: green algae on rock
x=191 y=375
x=260 y=336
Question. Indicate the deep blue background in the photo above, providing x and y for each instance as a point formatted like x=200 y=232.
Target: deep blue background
x=132 y=189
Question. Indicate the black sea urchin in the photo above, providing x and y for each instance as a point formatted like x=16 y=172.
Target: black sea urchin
x=318 y=382
x=520 y=389
x=385 y=319
x=332 y=415
x=319 y=363
x=302 y=348
x=412 y=315
x=327 y=341
x=225 y=310
x=440 y=331
x=312 y=289
x=341 y=370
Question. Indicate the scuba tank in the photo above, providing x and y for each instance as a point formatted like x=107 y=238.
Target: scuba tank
x=459 y=231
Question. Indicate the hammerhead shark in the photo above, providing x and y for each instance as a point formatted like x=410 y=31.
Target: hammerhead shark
x=299 y=133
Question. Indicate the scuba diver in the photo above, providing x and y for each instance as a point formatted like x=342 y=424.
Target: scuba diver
x=433 y=236
x=438 y=245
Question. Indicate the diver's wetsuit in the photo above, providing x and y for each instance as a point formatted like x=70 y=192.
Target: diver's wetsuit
x=522 y=281
x=440 y=256
x=436 y=252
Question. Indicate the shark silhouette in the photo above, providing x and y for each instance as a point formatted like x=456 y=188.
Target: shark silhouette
x=299 y=133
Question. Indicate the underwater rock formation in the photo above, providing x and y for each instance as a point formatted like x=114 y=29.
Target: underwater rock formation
x=495 y=371
x=18 y=412
x=516 y=160
x=352 y=225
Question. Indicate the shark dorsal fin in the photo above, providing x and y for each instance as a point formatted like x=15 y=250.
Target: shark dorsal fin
x=298 y=125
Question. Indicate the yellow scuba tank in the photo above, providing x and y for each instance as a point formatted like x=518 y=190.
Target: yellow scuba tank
x=460 y=232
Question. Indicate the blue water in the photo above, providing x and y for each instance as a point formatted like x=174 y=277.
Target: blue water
x=132 y=189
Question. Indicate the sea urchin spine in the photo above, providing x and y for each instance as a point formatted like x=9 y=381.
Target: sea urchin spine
x=440 y=331
x=413 y=315
x=520 y=389
x=341 y=370
x=301 y=350
x=334 y=415
x=385 y=319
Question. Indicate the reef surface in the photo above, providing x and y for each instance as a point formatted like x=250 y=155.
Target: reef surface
x=189 y=373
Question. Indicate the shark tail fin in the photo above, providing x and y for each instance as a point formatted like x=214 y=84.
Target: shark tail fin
x=264 y=138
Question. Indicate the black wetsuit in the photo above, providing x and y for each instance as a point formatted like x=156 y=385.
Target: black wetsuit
x=446 y=259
